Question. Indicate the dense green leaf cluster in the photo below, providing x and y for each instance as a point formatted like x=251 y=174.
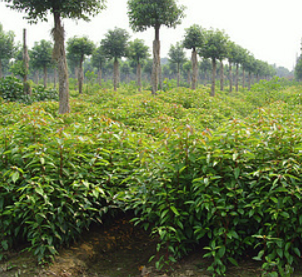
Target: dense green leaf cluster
x=58 y=175
x=115 y=43
x=36 y=9
x=41 y=54
x=144 y=14
x=194 y=37
x=12 y=90
x=223 y=172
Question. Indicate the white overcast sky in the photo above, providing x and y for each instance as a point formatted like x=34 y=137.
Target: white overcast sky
x=269 y=29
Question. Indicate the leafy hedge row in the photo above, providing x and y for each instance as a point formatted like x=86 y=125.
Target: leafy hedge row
x=238 y=187
x=12 y=90
x=56 y=177
x=185 y=165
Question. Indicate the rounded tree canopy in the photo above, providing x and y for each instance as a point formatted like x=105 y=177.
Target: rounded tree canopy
x=138 y=51
x=215 y=46
x=98 y=58
x=187 y=66
x=80 y=46
x=194 y=37
x=41 y=54
x=176 y=54
x=37 y=9
x=115 y=43
x=7 y=47
x=154 y=13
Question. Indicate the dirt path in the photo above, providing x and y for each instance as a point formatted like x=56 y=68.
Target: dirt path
x=117 y=249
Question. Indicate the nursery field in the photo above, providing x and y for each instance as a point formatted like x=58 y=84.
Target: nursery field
x=217 y=174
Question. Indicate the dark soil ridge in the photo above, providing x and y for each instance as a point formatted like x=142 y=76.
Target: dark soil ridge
x=116 y=249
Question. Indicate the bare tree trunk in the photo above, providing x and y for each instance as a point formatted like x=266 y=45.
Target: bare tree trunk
x=81 y=75
x=156 y=61
x=221 y=76
x=213 y=77
x=59 y=55
x=194 y=68
x=115 y=73
x=45 y=76
x=54 y=77
x=26 y=86
x=231 y=76
x=160 y=77
x=206 y=78
x=76 y=76
x=37 y=77
x=237 y=77
x=1 y=71
x=249 y=85
x=178 y=74
x=139 y=74
x=243 y=78
x=100 y=76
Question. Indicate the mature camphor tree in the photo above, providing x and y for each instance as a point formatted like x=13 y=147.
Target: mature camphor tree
x=38 y=10
x=98 y=60
x=137 y=52
x=80 y=47
x=215 y=48
x=7 y=47
x=177 y=56
x=194 y=39
x=115 y=46
x=144 y=14
x=41 y=57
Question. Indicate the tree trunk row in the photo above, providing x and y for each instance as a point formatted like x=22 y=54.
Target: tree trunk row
x=59 y=55
x=194 y=68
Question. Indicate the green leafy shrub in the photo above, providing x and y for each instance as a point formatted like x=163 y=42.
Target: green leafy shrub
x=44 y=94
x=58 y=175
x=193 y=168
x=11 y=89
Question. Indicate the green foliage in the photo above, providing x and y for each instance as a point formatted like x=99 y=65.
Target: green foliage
x=41 y=54
x=58 y=175
x=232 y=51
x=7 y=47
x=38 y=10
x=298 y=70
x=138 y=51
x=223 y=172
x=145 y=14
x=18 y=69
x=98 y=58
x=194 y=37
x=115 y=43
x=215 y=46
x=11 y=89
x=176 y=54
x=80 y=47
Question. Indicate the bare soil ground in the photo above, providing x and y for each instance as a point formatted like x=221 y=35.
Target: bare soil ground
x=117 y=249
